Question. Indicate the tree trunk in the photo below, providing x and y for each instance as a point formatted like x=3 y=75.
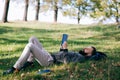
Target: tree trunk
x=78 y=20
x=37 y=10
x=78 y=15
x=55 y=12
x=26 y=10
x=117 y=17
x=6 y=8
x=117 y=13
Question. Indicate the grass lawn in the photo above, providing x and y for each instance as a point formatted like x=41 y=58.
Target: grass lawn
x=106 y=38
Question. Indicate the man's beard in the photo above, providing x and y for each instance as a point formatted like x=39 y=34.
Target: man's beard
x=82 y=52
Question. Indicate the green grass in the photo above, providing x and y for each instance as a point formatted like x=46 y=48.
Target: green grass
x=106 y=38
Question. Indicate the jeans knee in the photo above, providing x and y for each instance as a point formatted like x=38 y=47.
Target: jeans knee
x=31 y=39
x=30 y=45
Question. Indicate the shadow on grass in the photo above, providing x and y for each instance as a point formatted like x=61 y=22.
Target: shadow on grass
x=7 y=62
x=17 y=38
x=7 y=40
x=6 y=29
x=89 y=70
x=82 y=42
x=103 y=69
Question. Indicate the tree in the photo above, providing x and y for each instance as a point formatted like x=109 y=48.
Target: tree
x=82 y=8
x=54 y=5
x=26 y=10
x=37 y=10
x=114 y=7
x=97 y=10
x=106 y=9
x=6 y=8
x=55 y=11
x=78 y=8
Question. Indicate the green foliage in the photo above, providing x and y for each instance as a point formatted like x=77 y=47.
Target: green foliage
x=76 y=8
x=14 y=37
x=65 y=2
x=106 y=9
x=96 y=8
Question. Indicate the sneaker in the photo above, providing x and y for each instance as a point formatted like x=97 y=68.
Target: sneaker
x=9 y=71
x=27 y=64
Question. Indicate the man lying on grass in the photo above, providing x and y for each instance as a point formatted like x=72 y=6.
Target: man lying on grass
x=34 y=50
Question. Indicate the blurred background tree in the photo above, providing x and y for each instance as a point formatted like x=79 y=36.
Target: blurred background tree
x=6 y=9
x=26 y=10
x=78 y=9
x=105 y=9
x=82 y=6
x=98 y=9
x=37 y=10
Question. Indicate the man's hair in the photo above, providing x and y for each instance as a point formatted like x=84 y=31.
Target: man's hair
x=94 y=50
x=83 y=53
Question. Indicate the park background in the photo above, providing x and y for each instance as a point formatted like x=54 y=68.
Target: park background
x=46 y=14
x=95 y=30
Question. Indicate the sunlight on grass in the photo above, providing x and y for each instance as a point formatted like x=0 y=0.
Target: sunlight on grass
x=10 y=47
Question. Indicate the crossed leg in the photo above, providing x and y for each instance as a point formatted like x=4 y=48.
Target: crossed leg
x=34 y=50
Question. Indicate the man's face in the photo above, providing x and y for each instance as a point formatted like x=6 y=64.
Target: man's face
x=88 y=51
